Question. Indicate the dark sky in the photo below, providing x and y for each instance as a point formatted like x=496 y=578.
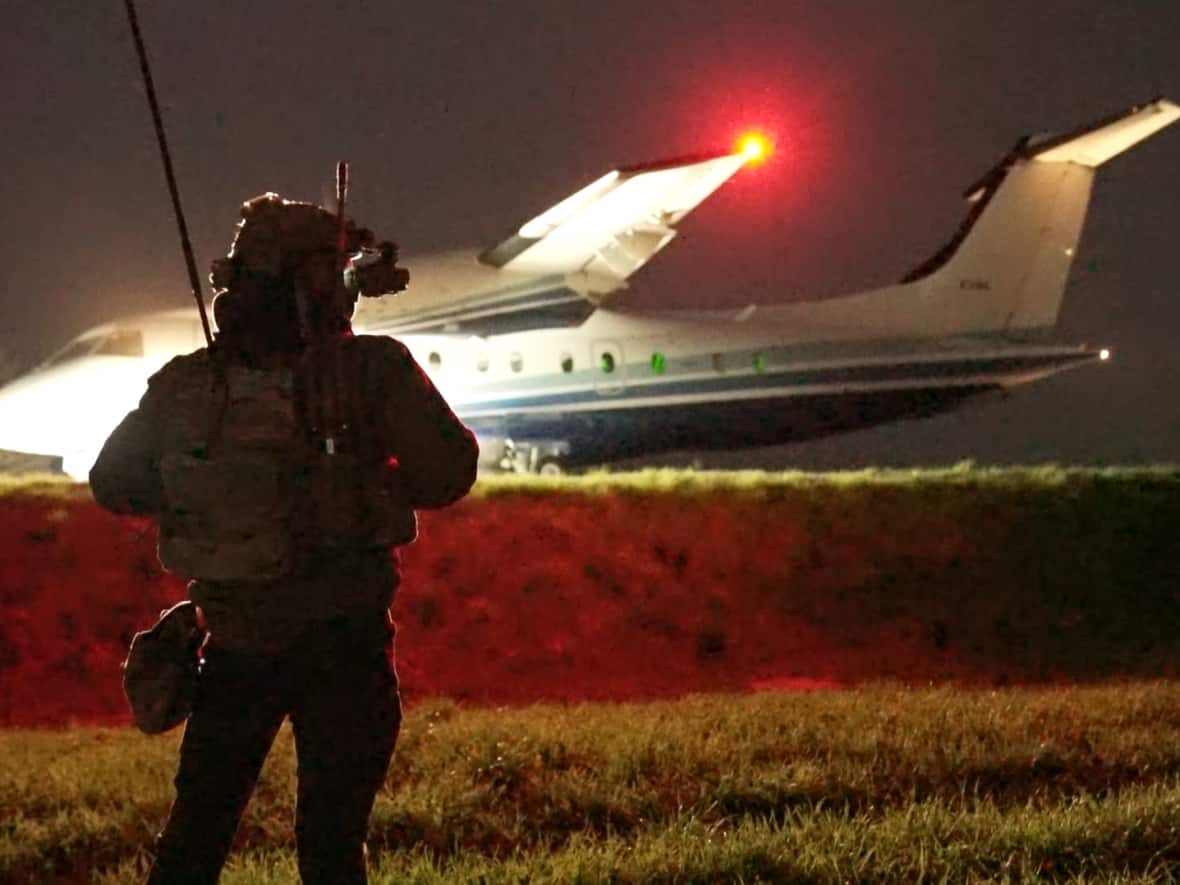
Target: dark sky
x=464 y=119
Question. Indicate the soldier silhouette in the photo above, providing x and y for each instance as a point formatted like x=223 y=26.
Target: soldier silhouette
x=285 y=463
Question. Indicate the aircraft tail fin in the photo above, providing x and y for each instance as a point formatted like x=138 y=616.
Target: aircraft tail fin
x=1007 y=266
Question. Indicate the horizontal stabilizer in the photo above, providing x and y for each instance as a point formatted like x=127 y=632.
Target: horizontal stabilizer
x=612 y=227
x=1097 y=143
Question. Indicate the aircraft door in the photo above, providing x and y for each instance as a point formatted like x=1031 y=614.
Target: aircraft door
x=606 y=358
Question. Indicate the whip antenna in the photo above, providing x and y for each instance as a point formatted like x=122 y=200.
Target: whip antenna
x=186 y=245
x=341 y=197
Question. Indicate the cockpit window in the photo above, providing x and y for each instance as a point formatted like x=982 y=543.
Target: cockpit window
x=121 y=342
x=73 y=351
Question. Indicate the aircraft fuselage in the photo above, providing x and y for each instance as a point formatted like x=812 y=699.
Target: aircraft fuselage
x=525 y=341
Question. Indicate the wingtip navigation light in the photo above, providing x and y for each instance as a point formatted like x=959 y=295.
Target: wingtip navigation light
x=754 y=147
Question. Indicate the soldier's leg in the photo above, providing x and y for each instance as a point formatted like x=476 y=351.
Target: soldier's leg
x=346 y=722
x=233 y=724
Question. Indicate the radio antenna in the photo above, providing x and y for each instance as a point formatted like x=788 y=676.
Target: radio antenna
x=341 y=198
x=193 y=278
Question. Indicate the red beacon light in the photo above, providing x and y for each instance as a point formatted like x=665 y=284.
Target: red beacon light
x=754 y=147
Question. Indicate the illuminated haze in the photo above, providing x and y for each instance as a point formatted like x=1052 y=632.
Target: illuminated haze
x=464 y=119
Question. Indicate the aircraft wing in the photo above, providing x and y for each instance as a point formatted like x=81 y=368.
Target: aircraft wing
x=613 y=226
x=556 y=268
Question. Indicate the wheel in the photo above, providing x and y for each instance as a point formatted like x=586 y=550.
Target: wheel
x=550 y=467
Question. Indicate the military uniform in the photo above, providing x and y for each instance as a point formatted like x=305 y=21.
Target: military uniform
x=315 y=641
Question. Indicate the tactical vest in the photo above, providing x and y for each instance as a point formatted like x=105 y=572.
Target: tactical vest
x=268 y=468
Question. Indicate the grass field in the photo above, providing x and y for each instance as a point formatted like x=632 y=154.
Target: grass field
x=971 y=587
x=964 y=475
x=879 y=784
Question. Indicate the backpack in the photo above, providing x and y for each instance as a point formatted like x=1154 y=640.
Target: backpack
x=228 y=498
x=292 y=469
x=350 y=493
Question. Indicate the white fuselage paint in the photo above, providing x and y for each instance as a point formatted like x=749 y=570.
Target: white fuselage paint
x=68 y=408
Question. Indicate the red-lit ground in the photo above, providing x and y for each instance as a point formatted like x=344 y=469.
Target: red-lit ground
x=573 y=597
x=502 y=603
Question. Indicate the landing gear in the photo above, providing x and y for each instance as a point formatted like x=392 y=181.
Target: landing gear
x=550 y=467
x=542 y=457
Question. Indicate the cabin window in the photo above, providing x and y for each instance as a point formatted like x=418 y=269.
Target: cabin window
x=607 y=362
x=125 y=342
x=657 y=363
x=759 y=363
x=516 y=362
x=481 y=362
x=435 y=359
x=567 y=363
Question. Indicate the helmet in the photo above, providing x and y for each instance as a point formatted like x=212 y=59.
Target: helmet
x=285 y=257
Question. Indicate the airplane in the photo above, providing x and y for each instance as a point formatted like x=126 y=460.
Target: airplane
x=533 y=347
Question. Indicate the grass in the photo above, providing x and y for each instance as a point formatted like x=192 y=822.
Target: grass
x=686 y=481
x=964 y=475
x=594 y=584
x=879 y=784
x=41 y=485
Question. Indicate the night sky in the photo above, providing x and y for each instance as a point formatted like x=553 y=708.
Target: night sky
x=464 y=119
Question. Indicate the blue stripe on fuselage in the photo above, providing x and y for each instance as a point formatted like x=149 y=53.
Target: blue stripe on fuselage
x=633 y=392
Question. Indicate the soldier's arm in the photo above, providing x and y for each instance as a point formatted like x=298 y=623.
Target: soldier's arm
x=126 y=476
x=436 y=454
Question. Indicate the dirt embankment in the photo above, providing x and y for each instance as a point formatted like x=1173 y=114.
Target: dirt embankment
x=627 y=594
